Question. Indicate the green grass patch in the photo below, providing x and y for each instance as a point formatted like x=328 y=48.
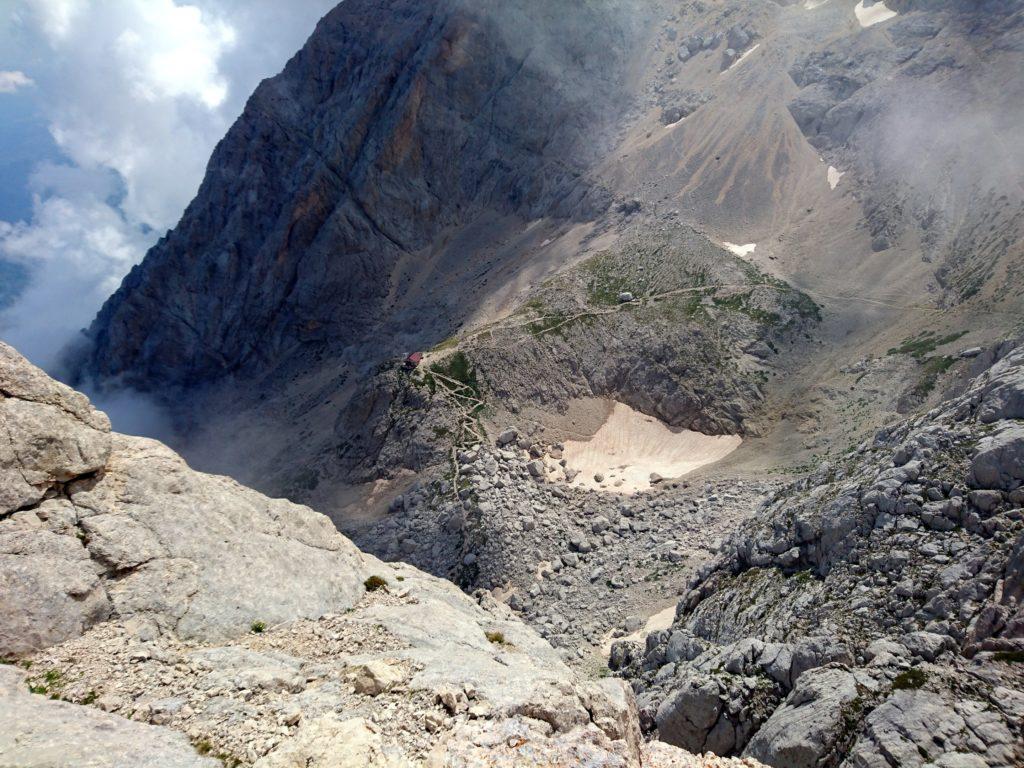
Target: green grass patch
x=740 y=302
x=258 y=627
x=932 y=369
x=1011 y=657
x=458 y=368
x=374 y=583
x=604 y=280
x=446 y=344
x=924 y=344
x=910 y=680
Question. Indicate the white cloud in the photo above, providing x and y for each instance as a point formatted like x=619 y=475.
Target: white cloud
x=12 y=81
x=137 y=93
x=174 y=51
x=57 y=16
x=78 y=247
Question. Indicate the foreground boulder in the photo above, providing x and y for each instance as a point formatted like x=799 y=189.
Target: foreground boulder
x=35 y=731
x=96 y=526
x=868 y=615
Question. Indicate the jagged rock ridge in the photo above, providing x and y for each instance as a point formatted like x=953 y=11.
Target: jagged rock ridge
x=375 y=140
x=870 y=613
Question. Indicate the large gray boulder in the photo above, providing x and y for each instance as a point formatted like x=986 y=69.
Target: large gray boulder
x=152 y=540
x=805 y=728
x=1003 y=392
x=129 y=531
x=49 y=589
x=687 y=718
x=907 y=730
x=999 y=460
x=37 y=732
x=51 y=434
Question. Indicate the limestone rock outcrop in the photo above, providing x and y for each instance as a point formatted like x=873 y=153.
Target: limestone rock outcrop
x=869 y=614
x=191 y=609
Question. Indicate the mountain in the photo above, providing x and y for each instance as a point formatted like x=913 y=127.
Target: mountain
x=421 y=172
x=154 y=616
x=718 y=301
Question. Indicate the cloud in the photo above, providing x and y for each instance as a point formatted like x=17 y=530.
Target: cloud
x=174 y=51
x=56 y=16
x=136 y=93
x=77 y=246
x=12 y=81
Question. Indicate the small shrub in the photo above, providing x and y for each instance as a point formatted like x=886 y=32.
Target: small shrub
x=90 y=698
x=1012 y=657
x=50 y=684
x=374 y=583
x=204 y=747
x=910 y=679
x=498 y=638
x=258 y=627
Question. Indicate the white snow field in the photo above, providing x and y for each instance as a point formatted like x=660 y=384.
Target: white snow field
x=630 y=447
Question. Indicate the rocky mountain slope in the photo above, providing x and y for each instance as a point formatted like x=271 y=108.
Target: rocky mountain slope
x=150 y=615
x=868 y=614
x=426 y=173
x=797 y=226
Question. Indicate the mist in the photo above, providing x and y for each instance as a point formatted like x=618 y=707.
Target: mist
x=135 y=95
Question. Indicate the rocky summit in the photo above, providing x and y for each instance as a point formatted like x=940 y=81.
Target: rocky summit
x=579 y=383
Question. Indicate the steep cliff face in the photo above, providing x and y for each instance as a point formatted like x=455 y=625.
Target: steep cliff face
x=389 y=128
x=454 y=175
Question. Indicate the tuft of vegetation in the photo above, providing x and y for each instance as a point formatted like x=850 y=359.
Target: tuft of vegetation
x=1011 y=657
x=258 y=627
x=924 y=344
x=740 y=302
x=498 y=638
x=932 y=369
x=910 y=680
x=50 y=684
x=374 y=583
x=803 y=577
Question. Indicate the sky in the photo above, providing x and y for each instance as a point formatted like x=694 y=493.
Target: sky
x=109 y=111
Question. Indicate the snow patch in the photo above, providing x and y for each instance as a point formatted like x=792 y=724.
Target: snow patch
x=876 y=14
x=810 y=5
x=740 y=250
x=834 y=175
x=630 y=447
x=741 y=58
